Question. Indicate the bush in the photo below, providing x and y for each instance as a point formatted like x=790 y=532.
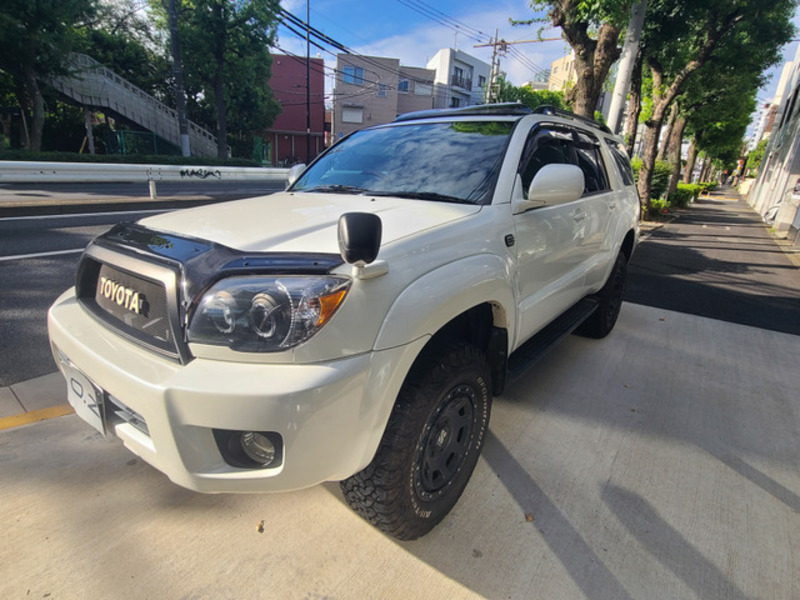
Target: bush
x=686 y=193
x=658 y=207
x=661 y=174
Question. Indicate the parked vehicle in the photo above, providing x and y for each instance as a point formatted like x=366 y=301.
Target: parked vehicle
x=356 y=326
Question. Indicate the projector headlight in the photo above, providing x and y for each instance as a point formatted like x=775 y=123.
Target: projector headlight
x=266 y=314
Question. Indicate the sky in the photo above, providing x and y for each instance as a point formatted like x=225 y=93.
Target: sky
x=394 y=29
x=397 y=29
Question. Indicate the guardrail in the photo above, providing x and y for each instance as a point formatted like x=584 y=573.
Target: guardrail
x=54 y=172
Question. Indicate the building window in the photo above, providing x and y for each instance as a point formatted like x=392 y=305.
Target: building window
x=352 y=114
x=354 y=75
x=402 y=86
x=382 y=87
x=455 y=102
x=481 y=81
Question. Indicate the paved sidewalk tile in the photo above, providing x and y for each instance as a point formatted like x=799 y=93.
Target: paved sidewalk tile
x=41 y=392
x=9 y=405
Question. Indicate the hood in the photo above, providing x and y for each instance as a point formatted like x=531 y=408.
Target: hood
x=302 y=222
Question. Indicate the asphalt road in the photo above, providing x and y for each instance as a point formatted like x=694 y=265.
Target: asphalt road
x=41 y=240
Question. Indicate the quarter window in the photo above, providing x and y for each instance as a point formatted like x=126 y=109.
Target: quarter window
x=587 y=153
x=623 y=163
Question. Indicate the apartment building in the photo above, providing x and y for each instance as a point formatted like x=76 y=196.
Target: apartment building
x=371 y=90
x=562 y=73
x=287 y=138
x=461 y=79
x=775 y=194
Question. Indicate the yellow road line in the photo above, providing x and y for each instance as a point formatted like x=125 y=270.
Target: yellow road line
x=36 y=415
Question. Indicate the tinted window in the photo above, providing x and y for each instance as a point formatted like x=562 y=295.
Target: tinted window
x=587 y=153
x=457 y=161
x=623 y=163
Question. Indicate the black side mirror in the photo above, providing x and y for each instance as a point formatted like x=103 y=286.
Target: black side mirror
x=359 y=237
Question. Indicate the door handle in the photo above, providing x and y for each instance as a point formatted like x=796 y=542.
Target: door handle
x=579 y=215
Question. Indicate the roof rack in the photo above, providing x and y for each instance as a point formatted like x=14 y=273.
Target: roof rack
x=507 y=109
x=559 y=112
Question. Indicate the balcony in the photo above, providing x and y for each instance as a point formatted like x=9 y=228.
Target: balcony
x=462 y=82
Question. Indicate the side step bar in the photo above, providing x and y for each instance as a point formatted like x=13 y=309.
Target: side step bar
x=540 y=344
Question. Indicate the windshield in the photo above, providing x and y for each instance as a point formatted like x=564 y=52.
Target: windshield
x=456 y=162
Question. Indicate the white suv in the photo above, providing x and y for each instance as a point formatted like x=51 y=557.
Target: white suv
x=356 y=326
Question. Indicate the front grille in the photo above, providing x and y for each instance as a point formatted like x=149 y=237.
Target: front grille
x=137 y=303
x=136 y=298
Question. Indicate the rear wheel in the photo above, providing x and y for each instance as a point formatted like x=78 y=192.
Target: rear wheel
x=430 y=447
x=609 y=298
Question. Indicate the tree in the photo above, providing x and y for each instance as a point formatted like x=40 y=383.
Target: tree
x=528 y=96
x=123 y=39
x=37 y=35
x=681 y=37
x=592 y=29
x=227 y=65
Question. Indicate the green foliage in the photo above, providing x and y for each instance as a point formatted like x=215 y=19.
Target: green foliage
x=755 y=158
x=593 y=12
x=657 y=208
x=528 y=96
x=36 y=37
x=684 y=195
x=123 y=39
x=225 y=48
x=661 y=174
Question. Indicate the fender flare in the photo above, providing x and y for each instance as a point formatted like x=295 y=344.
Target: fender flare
x=439 y=296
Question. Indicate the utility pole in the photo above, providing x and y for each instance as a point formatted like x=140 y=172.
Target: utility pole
x=177 y=70
x=308 y=81
x=500 y=48
x=628 y=58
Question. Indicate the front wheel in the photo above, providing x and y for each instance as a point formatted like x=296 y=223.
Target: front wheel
x=430 y=447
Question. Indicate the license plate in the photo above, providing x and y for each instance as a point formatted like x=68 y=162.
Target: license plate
x=85 y=397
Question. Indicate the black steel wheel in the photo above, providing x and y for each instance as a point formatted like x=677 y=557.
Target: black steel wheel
x=431 y=444
x=609 y=298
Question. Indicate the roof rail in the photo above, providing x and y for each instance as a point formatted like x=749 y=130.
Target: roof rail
x=508 y=109
x=546 y=109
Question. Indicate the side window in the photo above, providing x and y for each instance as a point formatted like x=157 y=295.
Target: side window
x=587 y=153
x=545 y=145
x=623 y=163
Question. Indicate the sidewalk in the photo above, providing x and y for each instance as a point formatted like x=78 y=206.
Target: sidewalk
x=717 y=259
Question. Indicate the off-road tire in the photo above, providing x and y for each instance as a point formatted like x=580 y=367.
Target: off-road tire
x=430 y=446
x=609 y=298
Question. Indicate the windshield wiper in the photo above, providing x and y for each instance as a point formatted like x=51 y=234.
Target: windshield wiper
x=335 y=189
x=423 y=196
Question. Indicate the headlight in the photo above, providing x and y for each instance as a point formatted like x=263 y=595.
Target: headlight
x=266 y=314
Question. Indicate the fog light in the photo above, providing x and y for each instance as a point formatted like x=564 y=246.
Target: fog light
x=250 y=449
x=258 y=448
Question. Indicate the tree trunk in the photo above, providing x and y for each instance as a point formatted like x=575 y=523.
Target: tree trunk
x=634 y=106
x=674 y=153
x=704 y=171
x=691 y=159
x=219 y=88
x=222 y=119
x=37 y=104
x=664 y=146
x=593 y=59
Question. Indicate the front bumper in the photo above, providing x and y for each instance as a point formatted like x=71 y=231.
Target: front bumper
x=330 y=415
